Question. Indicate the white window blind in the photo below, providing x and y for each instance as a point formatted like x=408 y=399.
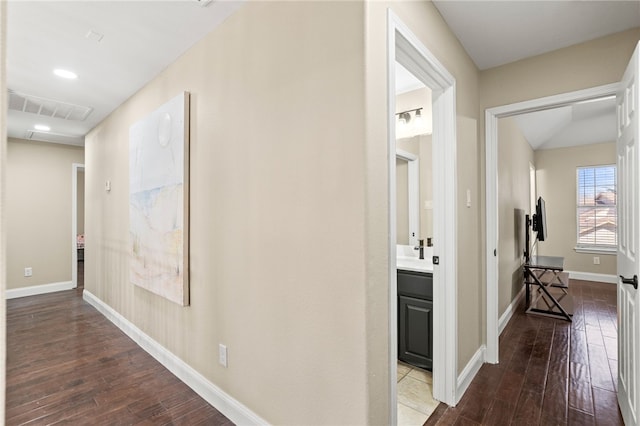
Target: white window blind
x=597 y=206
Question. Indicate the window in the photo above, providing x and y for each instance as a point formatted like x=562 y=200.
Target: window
x=597 y=212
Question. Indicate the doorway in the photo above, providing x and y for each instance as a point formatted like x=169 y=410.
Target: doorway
x=407 y=50
x=492 y=117
x=414 y=189
x=77 y=225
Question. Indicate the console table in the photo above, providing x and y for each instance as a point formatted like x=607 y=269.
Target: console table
x=549 y=296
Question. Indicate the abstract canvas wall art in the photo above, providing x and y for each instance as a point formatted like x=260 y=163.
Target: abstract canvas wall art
x=159 y=200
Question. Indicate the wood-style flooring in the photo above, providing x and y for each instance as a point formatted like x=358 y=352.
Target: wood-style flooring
x=551 y=372
x=67 y=364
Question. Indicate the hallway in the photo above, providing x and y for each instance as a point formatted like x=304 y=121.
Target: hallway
x=67 y=363
x=551 y=372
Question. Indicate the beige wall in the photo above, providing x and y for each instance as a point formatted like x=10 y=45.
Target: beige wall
x=514 y=156
x=582 y=66
x=39 y=211
x=3 y=199
x=556 y=180
x=277 y=267
x=425 y=21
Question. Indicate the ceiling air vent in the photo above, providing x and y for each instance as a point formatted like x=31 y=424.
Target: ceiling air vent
x=34 y=135
x=47 y=107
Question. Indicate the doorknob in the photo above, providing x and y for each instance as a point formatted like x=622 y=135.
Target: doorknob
x=633 y=281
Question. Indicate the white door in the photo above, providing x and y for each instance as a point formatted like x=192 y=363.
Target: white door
x=628 y=163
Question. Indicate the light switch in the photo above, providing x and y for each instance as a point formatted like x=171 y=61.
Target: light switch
x=468 y=198
x=222 y=355
x=107 y=186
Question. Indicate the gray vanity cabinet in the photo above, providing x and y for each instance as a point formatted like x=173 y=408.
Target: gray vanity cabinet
x=415 y=318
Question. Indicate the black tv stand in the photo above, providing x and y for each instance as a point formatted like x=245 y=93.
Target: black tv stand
x=550 y=298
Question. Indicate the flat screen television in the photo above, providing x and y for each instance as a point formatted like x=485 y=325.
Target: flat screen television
x=540 y=220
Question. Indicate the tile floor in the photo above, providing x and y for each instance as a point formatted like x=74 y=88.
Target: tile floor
x=415 y=396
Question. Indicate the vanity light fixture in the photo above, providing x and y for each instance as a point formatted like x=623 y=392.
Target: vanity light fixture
x=418 y=119
x=405 y=116
x=70 y=75
x=413 y=116
x=403 y=123
x=42 y=127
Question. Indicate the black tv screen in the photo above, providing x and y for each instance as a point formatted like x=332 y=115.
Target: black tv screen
x=540 y=220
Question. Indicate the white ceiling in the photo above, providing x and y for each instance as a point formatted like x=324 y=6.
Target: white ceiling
x=405 y=81
x=498 y=32
x=140 y=39
x=582 y=123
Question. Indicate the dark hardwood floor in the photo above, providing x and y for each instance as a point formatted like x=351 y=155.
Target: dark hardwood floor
x=80 y=274
x=67 y=364
x=551 y=372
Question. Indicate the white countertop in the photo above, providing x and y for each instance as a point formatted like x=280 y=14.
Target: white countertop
x=414 y=264
x=407 y=259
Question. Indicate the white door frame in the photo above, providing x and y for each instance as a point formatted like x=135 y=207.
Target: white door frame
x=75 y=168
x=408 y=50
x=491 y=167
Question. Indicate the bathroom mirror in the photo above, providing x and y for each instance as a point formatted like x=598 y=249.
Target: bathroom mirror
x=407 y=198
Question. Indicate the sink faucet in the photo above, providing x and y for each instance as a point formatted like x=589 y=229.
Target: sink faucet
x=421 y=248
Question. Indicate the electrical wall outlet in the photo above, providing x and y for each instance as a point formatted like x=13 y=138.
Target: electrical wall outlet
x=596 y=260
x=222 y=355
x=28 y=271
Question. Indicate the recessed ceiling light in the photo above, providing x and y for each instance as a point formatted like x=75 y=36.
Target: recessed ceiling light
x=65 y=74
x=94 y=35
x=42 y=127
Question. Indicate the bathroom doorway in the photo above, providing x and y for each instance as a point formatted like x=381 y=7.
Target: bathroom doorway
x=407 y=50
x=414 y=231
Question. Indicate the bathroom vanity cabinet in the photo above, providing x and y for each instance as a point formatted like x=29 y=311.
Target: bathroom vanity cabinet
x=415 y=318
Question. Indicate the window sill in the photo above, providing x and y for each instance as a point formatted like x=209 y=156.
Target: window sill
x=596 y=250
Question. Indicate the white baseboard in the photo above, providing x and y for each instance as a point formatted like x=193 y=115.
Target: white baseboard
x=590 y=276
x=223 y=402
x=13 y=293
x=508 y=313
x=469 y=372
